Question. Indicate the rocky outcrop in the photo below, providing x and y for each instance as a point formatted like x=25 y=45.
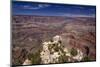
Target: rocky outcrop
x=55 y=52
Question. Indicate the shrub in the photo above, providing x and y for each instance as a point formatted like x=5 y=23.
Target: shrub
x=18 y=62
x=35 y=58
x=63 y=59
x=86 y=58
x=56 y=48
x=73 y=52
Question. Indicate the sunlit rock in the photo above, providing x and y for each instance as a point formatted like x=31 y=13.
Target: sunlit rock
x=27 y=62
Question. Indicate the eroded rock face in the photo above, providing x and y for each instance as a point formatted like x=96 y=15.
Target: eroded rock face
x=83 y=40
x=30 y=33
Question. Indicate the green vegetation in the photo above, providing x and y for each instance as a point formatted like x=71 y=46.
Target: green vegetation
x=63 y=59
x=56 y=48
x=86 y=58
x=35 y=58
x=18 y=62
x=73 y=52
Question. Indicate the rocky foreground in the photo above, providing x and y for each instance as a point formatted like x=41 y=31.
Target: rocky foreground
x=55 y=52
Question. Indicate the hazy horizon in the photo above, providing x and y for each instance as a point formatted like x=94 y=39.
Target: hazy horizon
x=49 y=9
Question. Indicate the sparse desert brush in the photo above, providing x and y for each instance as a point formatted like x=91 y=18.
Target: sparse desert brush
x=73 y=52
x=35 y=58
x=86 y=58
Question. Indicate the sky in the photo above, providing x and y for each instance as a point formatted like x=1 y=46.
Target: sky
x=50 y=9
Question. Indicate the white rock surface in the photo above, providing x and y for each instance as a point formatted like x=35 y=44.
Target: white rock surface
x=47 y=58
x=56 y=38
x=27 y=62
